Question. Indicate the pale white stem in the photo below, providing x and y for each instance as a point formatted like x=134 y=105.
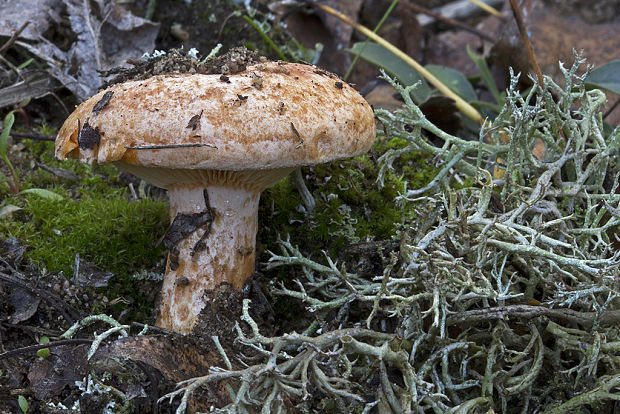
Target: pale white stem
x=228 y=256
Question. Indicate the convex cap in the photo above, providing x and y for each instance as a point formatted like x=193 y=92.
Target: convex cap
x=272 y=115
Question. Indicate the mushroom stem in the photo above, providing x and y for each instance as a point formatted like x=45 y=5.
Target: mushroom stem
x=226 y=256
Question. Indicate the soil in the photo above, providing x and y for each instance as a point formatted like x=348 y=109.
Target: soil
x=148 y=366
x=179 y=61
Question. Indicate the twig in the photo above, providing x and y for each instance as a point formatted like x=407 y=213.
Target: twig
x=13 y=38
x=526 y=42
x=525 y=312
x=33 y=348
x=32 y=135
x=439 y=17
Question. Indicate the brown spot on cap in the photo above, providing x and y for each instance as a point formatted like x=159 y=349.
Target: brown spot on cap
x=194 y=122
x=88 y=137
x=102 y=102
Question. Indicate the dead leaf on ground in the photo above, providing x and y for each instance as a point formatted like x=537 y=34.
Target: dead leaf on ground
x=12 y=250
x=34 y=84
x=321 y=27
x=554 y=38
x=89 y=275
x=341 y=31
x=65 y=365
x=78 y=38
x=385 y=97
x=24 y=305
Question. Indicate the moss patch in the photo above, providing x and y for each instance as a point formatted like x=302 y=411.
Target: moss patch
x=350 y=206
x=113 y=232
x=96 y=218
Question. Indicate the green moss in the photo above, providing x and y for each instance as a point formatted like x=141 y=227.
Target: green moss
x=350 y=205
x=96 y=219
x=113 y=232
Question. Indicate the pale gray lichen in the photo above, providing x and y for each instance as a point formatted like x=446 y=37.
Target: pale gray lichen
x=503 y=296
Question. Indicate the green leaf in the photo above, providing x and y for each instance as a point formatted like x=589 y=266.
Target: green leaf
x=41 y=192
x=43 y=352
x=606 y=77
x=394 y=66
x=485 y=73
x=6 y=130
x=23 y=403
x=455 y=80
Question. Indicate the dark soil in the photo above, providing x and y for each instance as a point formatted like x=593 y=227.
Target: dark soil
x=179 y=61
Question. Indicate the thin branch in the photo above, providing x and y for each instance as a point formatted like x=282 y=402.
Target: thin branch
x=526 y=42
x=33 y=348
x=526 y=312
x=13 y=38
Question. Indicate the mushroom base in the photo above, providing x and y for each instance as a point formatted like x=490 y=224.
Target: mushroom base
x=220 y=250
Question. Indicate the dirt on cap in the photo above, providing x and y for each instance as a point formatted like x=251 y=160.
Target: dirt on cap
x=179 y=61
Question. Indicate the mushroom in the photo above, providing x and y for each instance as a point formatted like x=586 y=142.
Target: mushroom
x=215 y=143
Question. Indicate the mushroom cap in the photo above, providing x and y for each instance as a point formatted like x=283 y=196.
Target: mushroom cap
x=273 y=115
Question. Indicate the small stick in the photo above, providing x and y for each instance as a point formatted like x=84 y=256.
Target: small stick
x=32 y=135
x=33 y=348
x=439 y=17
x=526 y=42
x=608 y=318
x=146 y=147
x=13 y=38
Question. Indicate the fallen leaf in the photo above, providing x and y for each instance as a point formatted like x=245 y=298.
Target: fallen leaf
x=102 y=35
x=66 y=364
x=384 y=96
x=555 y=36
x=89 y=275
x=12 y=249
x=34 y=84
x=24 y=305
